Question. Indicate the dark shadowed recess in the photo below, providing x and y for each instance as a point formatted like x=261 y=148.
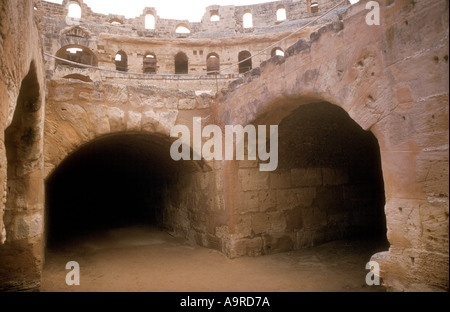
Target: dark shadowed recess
x=322 y=135
x=116 y=181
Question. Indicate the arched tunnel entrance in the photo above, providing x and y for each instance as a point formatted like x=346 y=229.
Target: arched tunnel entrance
x=329 y=182
x=116 y=181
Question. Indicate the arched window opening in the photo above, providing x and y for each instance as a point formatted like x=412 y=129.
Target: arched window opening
x=213 y=64
x=149 y=21
x=121 y=61
x=181 y=63
x=246 y=65
x=215 y=16
x=281 y=14
x=116 y=21
x=248 y=20
x=74 y=10
x=76 y=54
x=277 y=51
x=182 y=29
x=150 y=63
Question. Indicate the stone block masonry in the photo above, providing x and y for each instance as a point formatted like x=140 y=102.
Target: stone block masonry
x=363 y=130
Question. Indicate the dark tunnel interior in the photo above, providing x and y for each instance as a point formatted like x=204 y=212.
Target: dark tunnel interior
x=322 y=135
x=112 y=182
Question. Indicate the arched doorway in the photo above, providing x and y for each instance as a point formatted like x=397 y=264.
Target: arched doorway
x=245 y=58
x=117 y=181
x=150 y=63
x=74 y=10
x=181 y=63
x=328 y=185
x=247 y=19
x=149 y=21
x=281 y=13
x=213 y=64
x=77 y=54
x=121 y=61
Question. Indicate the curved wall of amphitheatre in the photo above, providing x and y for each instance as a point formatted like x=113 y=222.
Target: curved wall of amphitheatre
x=224 y=38
x=362 y=112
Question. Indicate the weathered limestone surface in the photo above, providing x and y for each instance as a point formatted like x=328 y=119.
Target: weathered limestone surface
x=392 y=79
x=79 y=112
x=22 y=88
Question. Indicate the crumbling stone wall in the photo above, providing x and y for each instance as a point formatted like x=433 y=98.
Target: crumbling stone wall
x=264 y=15
x=105 y=40
x=22 y=93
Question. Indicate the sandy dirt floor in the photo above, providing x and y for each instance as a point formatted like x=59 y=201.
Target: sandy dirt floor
x=144 y=259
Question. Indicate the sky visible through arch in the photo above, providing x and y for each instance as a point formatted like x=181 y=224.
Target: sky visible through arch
x=172 y=9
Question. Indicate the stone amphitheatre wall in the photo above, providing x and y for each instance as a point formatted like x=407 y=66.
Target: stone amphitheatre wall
x=95 y=33
x=362 y=113
x=393 y=81
x=230 y=23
